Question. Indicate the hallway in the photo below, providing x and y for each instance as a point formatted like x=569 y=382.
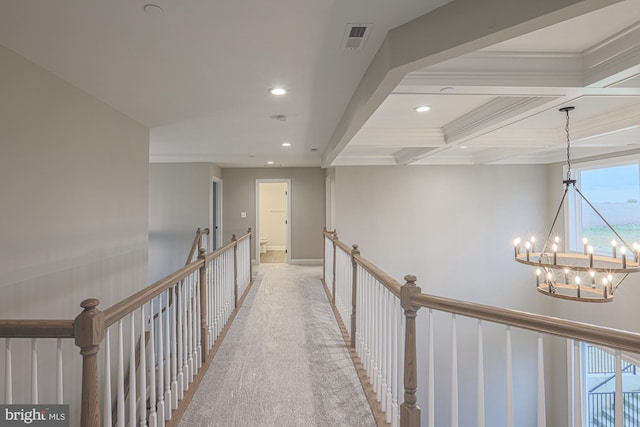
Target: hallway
x=283 y=361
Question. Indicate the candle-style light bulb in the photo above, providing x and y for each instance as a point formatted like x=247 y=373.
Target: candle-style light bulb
x=516 y=245
x=577 y=280
x=566 y=273
x=554 y=248
x=527 y=246
x=613 y=247
x=590 y=252
x=584 y=244
x=556 y=239
x=578 y=285
x=636 y=251
x=609 y=278
x=538 y=273
x=533 y=243
x=593 y=278
x=623 y=254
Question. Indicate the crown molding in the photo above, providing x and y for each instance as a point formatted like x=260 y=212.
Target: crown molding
x=390 y=137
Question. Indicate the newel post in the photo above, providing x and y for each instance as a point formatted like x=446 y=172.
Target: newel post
x=333 y=285
x=324 y=255
x=88 y=330
x=202 y=254
x=250 y=247
x=409 y=410
x=234 y=239
x=354 y=293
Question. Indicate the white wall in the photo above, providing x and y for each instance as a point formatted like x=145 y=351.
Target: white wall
x=273 y=214
x=73 y=207
x=179 y=203
x=453 y=227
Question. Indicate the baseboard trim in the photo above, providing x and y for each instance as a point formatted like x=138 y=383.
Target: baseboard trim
x=306 y=262
x=276 y=248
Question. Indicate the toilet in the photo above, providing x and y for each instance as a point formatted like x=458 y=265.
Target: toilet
x=263 y=245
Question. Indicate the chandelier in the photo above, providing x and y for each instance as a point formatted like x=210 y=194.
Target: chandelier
x=578 y=276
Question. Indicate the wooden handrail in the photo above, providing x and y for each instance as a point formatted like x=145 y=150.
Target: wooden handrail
x=599 y=335
x=341 y=245
x=197 y=241
x=36 y=328
x=126 y=306
x=387 y=281
x=215 y=254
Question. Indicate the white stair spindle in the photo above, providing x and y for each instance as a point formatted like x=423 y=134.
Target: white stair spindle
x=133 y=418
x=160 y=405
x=480 y=389
x=143 y=369
x=179 y=314
x=59 y=373
x=167 y=359
x=454 y=372
x=577 y=384
x=431 y=388
x=542 y=411
x=619 y=396
x=153 y=416
x=174 y=348
x=34 y=371
x=388 y=350
x=107 y=405
x=509 y=368
x=120 y=373
x=395 y=364
x=190 y=329
x=185 y=337
x=198 y=329
x=8 y=369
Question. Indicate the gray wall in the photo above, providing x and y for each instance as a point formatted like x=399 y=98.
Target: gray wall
x=453 y=227
x=307 y=206
x=179 y=203
x=73 y=210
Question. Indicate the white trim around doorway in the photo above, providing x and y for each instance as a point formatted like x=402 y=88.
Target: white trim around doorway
x=257 y=217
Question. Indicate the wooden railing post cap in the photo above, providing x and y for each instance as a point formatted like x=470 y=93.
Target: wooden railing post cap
x=202 y=252
x=354 y=248
x=249 y=230
x=233 y=238
x=88 y=326
x=407 y=291
x=206 y=231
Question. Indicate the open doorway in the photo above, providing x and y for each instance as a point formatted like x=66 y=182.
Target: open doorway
x=272 y=213
x=215 y=232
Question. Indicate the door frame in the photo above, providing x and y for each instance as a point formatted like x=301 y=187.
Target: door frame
x=213 y=231
x=288 y=217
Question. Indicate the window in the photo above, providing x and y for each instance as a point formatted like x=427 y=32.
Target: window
x=600 y=387
x=614 y=190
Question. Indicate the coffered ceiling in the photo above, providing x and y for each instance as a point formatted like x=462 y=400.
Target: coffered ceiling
x=197 y=72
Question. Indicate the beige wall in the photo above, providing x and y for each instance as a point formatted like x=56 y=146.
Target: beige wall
x=73 y=210
x=179 y=203
x=307 y=205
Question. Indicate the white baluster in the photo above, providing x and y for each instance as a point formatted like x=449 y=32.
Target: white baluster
x=542 y=411
x=34 y=372
x=577 y=385
x=143 y=369
x=159 y=391
x=454 y=372
x=133 y=418
x=388 y=350
x=167 y=359
x=174 y=347
x=618 y=396
x=395 y=366
x=179 y=314
x=120 y=379
x=59 y=373
x=107 y=405
x=190 y=314
x=194 y=322
x=431 y=398
x=8 y=369
x=197 y=328
x=153 y=415
x=509 y=380
x=210 y=312
x=185 y=336
x=380 y=357
x=480 y=389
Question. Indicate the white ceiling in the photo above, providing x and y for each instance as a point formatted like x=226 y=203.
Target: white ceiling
x=198 y=76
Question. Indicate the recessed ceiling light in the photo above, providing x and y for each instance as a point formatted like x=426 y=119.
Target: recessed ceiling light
x=153 y=10
x=286 y=144
x=421 y=108
x=269 y=162
x=463 y=147
x=277 y=91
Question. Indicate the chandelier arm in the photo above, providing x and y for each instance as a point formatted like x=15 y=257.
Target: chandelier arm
x=555 y=219
x=602 y=218
x=619 y=282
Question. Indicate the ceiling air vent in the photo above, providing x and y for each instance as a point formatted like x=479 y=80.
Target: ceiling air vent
x=356 y=35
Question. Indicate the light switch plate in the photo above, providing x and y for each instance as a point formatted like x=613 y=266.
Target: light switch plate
x=243 y=214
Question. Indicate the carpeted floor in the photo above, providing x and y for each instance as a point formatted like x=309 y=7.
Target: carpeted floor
x=283 y=361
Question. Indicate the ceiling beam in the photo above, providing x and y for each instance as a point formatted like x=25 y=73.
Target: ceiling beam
x=428 y=40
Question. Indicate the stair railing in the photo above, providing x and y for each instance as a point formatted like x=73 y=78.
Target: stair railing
x=383 y=334
x=185 y=316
